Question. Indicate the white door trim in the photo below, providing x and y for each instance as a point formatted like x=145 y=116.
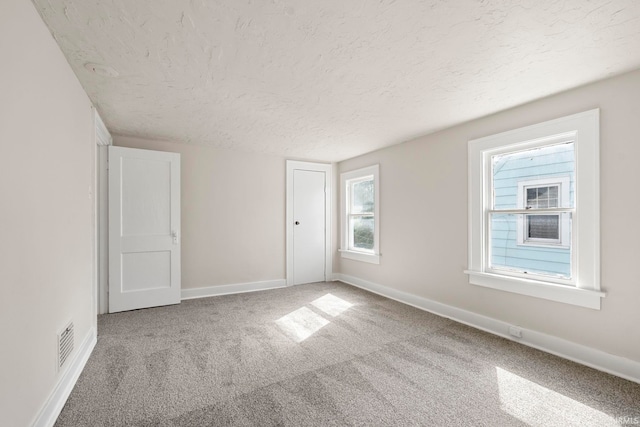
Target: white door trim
x=328 y=171
x=102 y=220
x=101 y=230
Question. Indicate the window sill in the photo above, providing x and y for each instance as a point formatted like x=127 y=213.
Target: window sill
x=360 y=256
x=534 y=288
x=542 y=245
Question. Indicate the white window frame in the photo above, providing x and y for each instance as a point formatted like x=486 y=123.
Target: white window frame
x=347 y=250
x=564 y=187
x=583 y=289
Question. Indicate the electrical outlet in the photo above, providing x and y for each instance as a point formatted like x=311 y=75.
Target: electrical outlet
x=515 y=331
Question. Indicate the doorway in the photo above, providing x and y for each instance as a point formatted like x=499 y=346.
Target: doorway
x=308 y=225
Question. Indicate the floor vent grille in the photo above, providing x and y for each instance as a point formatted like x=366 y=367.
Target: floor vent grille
x=65 y=344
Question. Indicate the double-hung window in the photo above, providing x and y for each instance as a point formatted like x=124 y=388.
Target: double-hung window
x=360 y=215
x=534 y=211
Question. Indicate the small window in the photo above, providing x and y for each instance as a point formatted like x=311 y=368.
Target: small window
x=360 y=215
x=556 y=191
x=525 y=197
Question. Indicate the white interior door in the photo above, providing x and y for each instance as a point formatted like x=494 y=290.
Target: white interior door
x=309 y=226
x=144 y=228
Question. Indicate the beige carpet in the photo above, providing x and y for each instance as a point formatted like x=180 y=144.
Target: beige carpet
x=328 y=354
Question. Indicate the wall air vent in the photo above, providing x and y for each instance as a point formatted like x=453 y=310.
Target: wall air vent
x=65 y=344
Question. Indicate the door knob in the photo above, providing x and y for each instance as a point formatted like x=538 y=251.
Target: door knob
x=297 y=222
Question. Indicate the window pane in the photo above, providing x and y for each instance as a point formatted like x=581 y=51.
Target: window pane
x=542 y=197
x=532 y=194
x=542 y=193
x=546 y=164
x=543 y=227
x=507 y=254
x=362 y=199
x=363 y=228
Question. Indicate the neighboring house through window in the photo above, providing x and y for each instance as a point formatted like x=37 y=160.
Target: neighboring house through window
x=360 y=215
x=533 y=238
x=528 y=205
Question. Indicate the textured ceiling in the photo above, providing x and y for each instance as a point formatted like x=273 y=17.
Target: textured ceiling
x=332 y=79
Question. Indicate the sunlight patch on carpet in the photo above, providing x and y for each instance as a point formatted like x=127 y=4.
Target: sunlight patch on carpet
x=331 y=304
x=301 y=324
x=537 y=405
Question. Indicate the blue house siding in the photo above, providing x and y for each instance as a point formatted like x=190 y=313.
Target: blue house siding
x=508 y=171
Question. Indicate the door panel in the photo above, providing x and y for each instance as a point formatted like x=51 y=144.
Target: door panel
x=145 y=199
x=144 y=226
x=146 y=270
x=309 y=226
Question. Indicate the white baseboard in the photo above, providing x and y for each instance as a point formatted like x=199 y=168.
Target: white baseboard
x=237 y=288
x=54 y=404
x=597 y=359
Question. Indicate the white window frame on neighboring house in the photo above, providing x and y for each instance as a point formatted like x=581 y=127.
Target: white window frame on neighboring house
x=563 y=183
x=347 y=180
x=582 y=288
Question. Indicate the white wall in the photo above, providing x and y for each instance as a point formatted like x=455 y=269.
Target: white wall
x=233 y=213
x=46 y=149
x=424 y=220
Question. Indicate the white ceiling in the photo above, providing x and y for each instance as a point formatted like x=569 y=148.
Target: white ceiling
x=332 y=79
